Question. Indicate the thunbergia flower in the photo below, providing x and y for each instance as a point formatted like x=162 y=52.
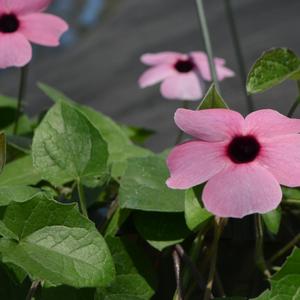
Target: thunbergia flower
x=243 y=160
x=22 y=22
x=182 y=75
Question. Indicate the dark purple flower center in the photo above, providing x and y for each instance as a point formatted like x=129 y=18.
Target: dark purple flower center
x=184 y=66
x=243 y=149
x=9 y=23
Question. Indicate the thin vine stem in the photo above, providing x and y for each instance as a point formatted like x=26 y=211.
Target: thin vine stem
x=296 y=103
x=286 y=248
x=177 y=269
x=33 y=288
x=21 y=95
x=259 y=247
x=218 y=228
x=207 y=42
x=238 y=52
x=82 y=200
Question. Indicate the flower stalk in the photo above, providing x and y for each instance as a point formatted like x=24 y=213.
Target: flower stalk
x=286 y=248
x=238 y=53
x=177 y=269
x=296 y=103
x=259 y=247
x=218 y=229
x=207 y=42
x=21 y=95
x=33 y=289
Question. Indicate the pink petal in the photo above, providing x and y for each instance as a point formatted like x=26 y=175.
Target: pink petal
x=43 y=29
x=24 y=6
x=15 y=50
x=281 y=155
x=268 y=123
x=183 y=86
x=155 y=75
x=210 y=125
x=201 y=60
x=194 y=162
x=242 y=190
x=153 y=59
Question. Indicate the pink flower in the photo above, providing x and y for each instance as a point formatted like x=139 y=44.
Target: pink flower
x=21 y=22
x=182 y=75
x=243 y=160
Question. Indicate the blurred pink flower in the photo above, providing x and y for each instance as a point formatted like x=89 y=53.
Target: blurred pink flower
x=21 y=22
x=182 y=75
x=243 y=160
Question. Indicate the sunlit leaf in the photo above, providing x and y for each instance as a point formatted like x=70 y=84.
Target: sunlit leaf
x=66 y=147
x=272 y=68
x=53 y=242
x=143 y=186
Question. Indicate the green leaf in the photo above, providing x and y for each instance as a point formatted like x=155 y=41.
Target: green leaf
x=143 y=187
x=134 y=272
x=195 y=214
x=6 y=101
x=66 y=147
x=120 y=147
x=272 y=68
x=285 y=284
x=2 y=151
x=272 y=220
x=116 y=221
x=290 y=267
x=55 y=243
x=20 y=172
x=291 y=193
x=138 y=135
x=126 y=287
x=212 y=99
x=161 y=230
x=266 y=295
x=10 y=194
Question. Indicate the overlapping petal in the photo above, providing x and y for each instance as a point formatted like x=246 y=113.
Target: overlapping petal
x=167 y=57
x=24 y=6
x=184 y=86
x=281 y=156
x=43 y=29
x=241 y=190
x=195 y=162
x=268 y=123
x=15 y=50
x=155 y=75
x=210 y=124
x=201 y=60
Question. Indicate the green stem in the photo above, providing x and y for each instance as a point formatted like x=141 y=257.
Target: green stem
x=291 y=202
x=259 y=247
x=238 y=52
x=21 y=95
x=296 y=103
x=82 y=200
x=207 y=42
x=177 y=269
x=33 y=288
x=194 y=254
x=219 y=225
x=286 y=248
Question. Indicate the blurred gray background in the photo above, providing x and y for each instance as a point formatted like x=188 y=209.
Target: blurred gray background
x=98 y=63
